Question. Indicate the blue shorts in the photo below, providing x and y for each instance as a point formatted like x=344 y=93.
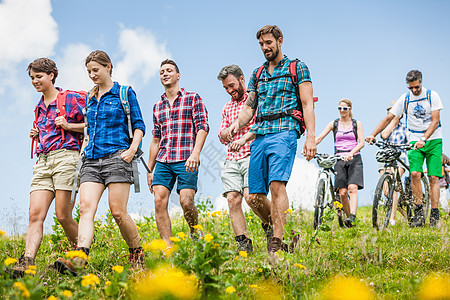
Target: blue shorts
x=166 y=174
x=271 y=159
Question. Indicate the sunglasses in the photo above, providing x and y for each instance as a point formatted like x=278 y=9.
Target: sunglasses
x=414 y=87
x=344 y=108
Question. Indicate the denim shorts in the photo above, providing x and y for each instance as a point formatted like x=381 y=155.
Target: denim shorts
x=106 y=170
x=166 y=174
x=271 y=159
x=235 y=175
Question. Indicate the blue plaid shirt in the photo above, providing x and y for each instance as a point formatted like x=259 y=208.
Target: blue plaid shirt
x=108 y=125
x=276 y=96
x=398 y=135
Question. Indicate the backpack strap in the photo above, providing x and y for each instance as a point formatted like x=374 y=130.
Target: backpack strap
x=255 y=86
x=335 y=129
x=126 y=108
x=355 y=128
x=294 y=78
x=405 y=107
x=61 y=108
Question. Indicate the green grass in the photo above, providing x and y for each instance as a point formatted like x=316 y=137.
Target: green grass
x=392 y=263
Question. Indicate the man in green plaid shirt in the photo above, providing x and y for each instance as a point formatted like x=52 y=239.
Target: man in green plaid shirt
x=274 y=149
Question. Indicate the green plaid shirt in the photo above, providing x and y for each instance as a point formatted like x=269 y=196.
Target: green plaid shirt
x=276 y=96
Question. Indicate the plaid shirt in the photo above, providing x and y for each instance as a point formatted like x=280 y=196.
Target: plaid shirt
x=177 y=126
x=108 y=124
x=230 y=113
x=50 y=136
x=276 y=96
x=398 y=135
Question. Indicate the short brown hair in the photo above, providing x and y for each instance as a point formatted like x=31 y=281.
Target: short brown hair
x=170 y=62
x=272 y=29
x=45 y=65
x=100 y=57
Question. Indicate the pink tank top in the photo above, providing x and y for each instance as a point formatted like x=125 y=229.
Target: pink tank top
x=345 y=140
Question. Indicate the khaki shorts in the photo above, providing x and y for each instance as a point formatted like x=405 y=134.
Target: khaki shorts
x=235 y=175
x=55 y=170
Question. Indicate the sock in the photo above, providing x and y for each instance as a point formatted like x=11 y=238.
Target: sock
x=240 y=238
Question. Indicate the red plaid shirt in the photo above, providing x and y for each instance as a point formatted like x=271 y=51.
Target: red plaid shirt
x=177 y=126
x=230 y=113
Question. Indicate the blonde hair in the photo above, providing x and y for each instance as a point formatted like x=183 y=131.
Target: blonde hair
x=349 y=103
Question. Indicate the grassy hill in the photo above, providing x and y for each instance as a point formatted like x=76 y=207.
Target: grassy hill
x=354 y=263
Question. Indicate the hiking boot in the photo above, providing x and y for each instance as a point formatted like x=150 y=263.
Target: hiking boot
x=434 y=217
x=69 y=266
x=418 y=220
x=276 y=244
x=136 y=259
x=295 y=241
x=244 y=244
x=19 y=268
x=268 y=230
x=350 y=221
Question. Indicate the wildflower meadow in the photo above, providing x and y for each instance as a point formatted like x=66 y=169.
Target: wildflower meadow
x=328 y=263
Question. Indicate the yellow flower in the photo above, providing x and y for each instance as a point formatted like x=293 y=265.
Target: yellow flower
x=216 y=214
x=23 y=288
x=230 y=290
x=67 y=293
x=300 y=266
x=2 y=233
x=199 y=227
x=9 y=261
x=243 y=254
x=155 y=245
x=182 y=235
x=249 y=217
x=166 y=281
x=226 y=224
x=175 y=239
x=89 y=280
x=31 y=270
x=208 y=238
x=118 y=269
x=52 y=298
x=338 y=204
x=253 y=286
x=138 y=227
x=260 y=270
x=435 y=286
x=288 y=211
x=346 y=287
x=108 y=282
x=77 y=253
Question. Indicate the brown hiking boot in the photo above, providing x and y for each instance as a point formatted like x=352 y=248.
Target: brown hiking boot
x=295 y=241
x=71 y=266
x=276 y=244
x=268 y=230
x=136 y=260
x=20 y=267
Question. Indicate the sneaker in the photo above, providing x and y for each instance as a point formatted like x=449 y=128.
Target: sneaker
x=19 y=268
x=418 y=220
x=244 y=244
x=70 y=266
x=350 y=221
x=268 y=230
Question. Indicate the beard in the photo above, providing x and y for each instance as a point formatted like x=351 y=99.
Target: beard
x=240 y=92
x=417 y=92
x=274 y=54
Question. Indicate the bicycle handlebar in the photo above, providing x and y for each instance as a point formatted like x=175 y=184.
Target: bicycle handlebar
x=383 y=144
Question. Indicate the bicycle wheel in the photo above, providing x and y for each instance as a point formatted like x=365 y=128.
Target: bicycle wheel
x=382 y=201
x=425 y=196
x=319 y=203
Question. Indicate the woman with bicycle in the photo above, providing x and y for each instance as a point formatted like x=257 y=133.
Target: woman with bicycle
x=348 y=141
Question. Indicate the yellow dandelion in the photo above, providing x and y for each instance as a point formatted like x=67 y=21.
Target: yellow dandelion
x=77 y=253
x=31 y=271
x=249 y=217
x=52 y=298
x=236 y=257
x=2 y=233
x=208 y=238
x=338 y=204
x=230 y=290
x=260 y=270
x=9 y=261
x=155 y=245
x=138 y=227
x=300 y=266
x=89 y=280
x=118 y=269
x=215 y=245
x=166 y=281
x=216 y=214
x=253 y=286
x=175 y=239
x=23 y=288
x=346 y=287
x=67 y=293
x=435 y=286
x=182 y=235
x=226 y=224
x=198 y=227
x=290 y=211
x=108 y=283
x=243 y=254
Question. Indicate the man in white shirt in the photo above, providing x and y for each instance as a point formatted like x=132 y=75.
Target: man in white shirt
x=422 y=108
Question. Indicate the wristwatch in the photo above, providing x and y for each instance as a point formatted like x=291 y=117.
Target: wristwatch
x=423 y=139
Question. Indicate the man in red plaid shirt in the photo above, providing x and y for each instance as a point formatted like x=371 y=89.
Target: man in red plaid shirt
x=235 y=170
x=180 y=122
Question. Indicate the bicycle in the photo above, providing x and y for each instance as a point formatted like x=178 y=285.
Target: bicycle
x=391 y=182
x=326 y=195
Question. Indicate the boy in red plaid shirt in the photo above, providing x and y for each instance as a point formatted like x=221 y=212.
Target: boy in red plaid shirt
x=235 y=170
x=180 y=128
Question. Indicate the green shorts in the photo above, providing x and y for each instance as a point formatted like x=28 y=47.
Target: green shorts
x=432 y=153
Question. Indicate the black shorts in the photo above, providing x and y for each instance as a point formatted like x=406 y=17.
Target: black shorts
x=349 y=172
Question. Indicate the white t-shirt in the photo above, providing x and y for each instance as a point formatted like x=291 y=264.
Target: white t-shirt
x=419 y=114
